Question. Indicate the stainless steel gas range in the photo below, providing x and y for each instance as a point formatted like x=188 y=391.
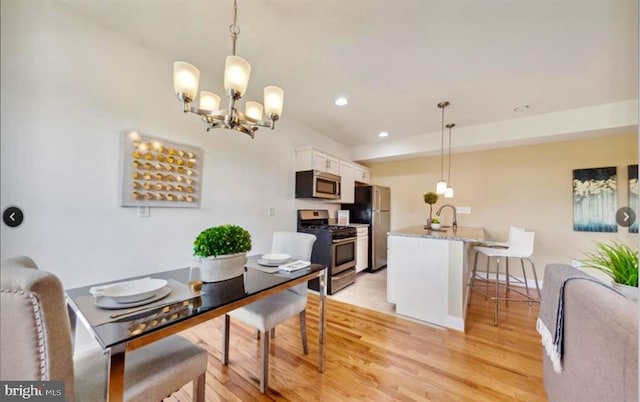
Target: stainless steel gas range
x=335 y=247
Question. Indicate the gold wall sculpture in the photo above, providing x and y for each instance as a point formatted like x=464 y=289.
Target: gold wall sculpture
x=160 y=173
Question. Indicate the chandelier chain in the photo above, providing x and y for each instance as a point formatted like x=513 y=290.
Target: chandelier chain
x=234 y=28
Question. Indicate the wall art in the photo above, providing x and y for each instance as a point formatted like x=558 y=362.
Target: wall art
x=160 y=173
x=634 y=202
x=595 y=200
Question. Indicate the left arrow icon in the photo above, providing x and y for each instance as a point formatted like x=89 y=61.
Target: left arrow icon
x=12 y=216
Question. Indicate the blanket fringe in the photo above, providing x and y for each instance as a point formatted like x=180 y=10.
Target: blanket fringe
x=549 y=346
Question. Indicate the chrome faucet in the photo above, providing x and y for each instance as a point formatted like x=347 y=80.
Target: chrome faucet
x=454 y=225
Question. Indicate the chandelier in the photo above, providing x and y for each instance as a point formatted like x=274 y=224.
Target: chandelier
x=441 y=186
x=236 y=78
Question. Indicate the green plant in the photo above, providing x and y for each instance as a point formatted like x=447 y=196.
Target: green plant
x=222 y=240
x=617 y=260
x=430 y=198
x=435 y=220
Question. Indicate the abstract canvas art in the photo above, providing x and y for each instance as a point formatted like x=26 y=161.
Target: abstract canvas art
x=633 y=195
x=595 y=200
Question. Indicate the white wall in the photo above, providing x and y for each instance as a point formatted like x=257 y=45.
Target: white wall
x=69 y=89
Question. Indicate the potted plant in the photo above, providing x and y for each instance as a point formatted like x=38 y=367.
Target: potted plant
x=620 y=263
x=435 y=224
x=223 y=252
x=430 y=198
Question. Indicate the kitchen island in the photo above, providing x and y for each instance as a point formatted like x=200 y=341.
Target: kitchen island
x=427 y=273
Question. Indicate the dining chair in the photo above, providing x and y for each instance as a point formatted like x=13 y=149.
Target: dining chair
x=265 y=314
x=521 y=246
x=37 y=345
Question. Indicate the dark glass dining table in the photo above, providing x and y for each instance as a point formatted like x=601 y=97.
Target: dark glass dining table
x=142 y=326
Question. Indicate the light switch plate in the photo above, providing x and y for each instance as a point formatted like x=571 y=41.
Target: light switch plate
x=464 y=210
x=272 y=211
x=143 y=212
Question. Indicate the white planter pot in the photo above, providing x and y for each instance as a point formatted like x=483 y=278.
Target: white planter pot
x=223 y=267
x=630 y=292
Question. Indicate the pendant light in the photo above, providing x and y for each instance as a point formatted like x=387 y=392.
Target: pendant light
x=441 y=186
x=449 y=192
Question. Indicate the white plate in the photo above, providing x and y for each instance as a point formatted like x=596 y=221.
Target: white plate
x=271 y=263
x=109 y=303
x=133 y=291
x=276 y=258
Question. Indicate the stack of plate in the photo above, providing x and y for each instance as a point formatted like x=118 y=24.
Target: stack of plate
x=132 y=293
x=274 y=259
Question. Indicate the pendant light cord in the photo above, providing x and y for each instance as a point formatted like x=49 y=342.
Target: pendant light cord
x=442 y=146
x=449 y=178
x=234 y=28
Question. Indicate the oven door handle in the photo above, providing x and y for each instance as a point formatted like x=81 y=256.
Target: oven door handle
x=348 y=239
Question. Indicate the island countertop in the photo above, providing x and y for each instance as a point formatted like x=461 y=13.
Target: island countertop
x=462 y=233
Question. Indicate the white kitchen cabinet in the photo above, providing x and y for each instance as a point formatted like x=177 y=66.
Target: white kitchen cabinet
x=347 y=183
x=362 y=249
x=308 y=158
x=362 y=174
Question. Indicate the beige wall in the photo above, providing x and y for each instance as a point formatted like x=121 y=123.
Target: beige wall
x=527 y=186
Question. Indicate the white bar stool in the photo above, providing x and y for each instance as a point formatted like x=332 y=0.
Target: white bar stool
x=474 y=274
x=521 y=247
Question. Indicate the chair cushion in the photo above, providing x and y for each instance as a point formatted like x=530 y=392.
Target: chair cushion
x=269 y=312
x=151 y=373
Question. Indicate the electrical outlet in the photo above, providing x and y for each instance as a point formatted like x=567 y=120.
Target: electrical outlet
x=272 y=211
x=143 y=212
x=463 y=210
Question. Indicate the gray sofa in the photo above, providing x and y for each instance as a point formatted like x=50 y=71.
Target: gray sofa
x=600 y=342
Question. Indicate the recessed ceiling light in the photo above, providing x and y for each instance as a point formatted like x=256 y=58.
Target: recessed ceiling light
x=521 y=108
x=341 y=101
x=383 y=134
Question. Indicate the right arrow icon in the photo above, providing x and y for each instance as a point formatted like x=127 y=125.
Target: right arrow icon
x=625 y=217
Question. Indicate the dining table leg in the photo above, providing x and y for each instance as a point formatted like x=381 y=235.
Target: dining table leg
x=73 y=323
x=115 y=380
x=321 y=336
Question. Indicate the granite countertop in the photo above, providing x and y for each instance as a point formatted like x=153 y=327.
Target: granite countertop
x=462 y=233
x=359 y=225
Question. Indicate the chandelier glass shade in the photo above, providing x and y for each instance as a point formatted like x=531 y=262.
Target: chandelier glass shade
x=237 y=71
x=441 y=186
x=449 y=191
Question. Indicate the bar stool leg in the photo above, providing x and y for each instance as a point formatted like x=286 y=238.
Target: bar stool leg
x=495 y=313
x=472 y=278
x=486 y=277
x=506 y=292
x=526 y=284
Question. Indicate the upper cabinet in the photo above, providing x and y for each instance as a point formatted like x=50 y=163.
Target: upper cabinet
x=362 y=174
x=347 y=184
x=308 y=158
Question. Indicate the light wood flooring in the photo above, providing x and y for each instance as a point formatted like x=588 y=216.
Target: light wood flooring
x=371 y=356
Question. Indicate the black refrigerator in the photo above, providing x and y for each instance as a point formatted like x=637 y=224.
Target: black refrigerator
x=372 y=205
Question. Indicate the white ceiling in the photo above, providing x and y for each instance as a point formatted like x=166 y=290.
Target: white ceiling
x=396 y=59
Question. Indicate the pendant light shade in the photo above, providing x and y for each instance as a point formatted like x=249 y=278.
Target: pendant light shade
x=449 y=192
x=441 y=186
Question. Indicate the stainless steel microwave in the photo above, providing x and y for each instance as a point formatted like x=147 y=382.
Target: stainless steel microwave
x=317 y=184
